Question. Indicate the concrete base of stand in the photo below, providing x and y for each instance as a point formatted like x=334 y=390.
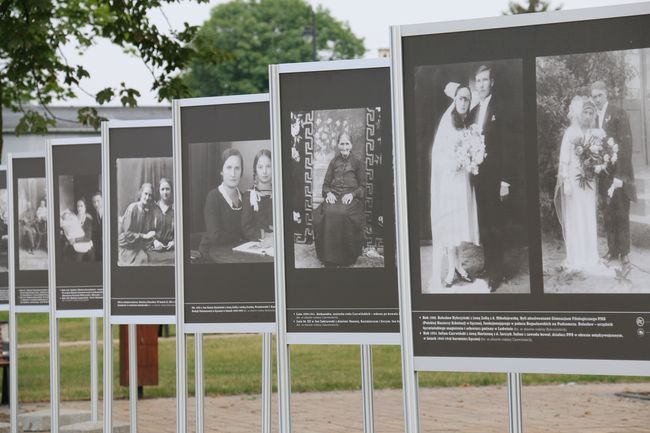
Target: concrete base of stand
x=40 y=421
x=94 y=427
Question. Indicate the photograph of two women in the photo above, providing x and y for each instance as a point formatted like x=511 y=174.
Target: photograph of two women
x=474 y=231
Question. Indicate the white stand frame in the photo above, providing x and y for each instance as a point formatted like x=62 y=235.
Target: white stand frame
x=515 y=366
x=55 y=377
x=182 y=329
x=109 y=320
x=13 y=334
x=283 y=339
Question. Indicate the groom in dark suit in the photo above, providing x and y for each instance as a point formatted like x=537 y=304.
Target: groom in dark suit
x=492 y=183
x=616 y=188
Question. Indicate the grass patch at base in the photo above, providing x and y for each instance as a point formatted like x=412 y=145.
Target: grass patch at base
x=232 y=365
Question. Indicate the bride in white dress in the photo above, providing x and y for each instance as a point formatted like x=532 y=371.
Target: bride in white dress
x=453 y=201
x=576 y=205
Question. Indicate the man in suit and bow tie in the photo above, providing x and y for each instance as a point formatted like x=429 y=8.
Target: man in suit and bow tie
x=492 y=183
x=616 y=188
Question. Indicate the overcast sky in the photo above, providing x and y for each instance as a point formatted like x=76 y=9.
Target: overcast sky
x=369 y=19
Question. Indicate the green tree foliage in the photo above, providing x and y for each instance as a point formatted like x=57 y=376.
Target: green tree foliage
x=515 y=8
x=559 y=79
x=254 y=34
x=33 y=69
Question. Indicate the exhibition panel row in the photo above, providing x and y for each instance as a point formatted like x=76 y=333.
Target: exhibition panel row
x=474 y=199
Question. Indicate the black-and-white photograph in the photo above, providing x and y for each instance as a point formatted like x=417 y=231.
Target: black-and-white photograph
x=231 y=201
x=471 y=184
x=145 y=203
x=32 y=224
x=336 y=193
x=592 y=133
x=80 y=213
x=4 y=231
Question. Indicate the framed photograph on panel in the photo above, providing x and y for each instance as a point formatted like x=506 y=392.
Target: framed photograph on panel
x=28 y=224
x=524 y=156
x=4 y=241
x=335 y=122
x=76 y=215
x=224 y=153
x=139 y=252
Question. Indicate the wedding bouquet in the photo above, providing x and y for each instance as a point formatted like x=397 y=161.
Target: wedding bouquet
x=596 y=153
x=470 y=150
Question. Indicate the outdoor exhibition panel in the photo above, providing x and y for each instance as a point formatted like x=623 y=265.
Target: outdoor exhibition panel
x=224 y=251
x=76 y=223
x=224 y=145
x=4 y=242
x=334 y=142
x=139 y=247
x=518 y=143
x=28 y=253
x=138 y=240
x=74 y=229
x=335 y=271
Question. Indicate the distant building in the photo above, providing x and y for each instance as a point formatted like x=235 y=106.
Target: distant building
x=69 y=127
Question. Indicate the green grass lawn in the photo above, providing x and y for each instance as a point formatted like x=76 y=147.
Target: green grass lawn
x=233 y=366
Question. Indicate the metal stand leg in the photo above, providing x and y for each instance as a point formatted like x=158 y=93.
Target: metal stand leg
x=198 y=380
x=94 y=388
x=367 y=389
x=108 y=374
x=133 y=377
x=514 y=402
x=13 y=372
x=267 y=380
x=54 y=373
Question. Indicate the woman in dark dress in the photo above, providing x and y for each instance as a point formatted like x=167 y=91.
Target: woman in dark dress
x=338 y=221
x=223 y=206
x=257 y=212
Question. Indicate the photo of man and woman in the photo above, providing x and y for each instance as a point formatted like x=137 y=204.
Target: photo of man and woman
x=145 y=202
x=230 y=197
x=81 y=215
x=336 y=192
x=472 y=187
x=594 y=174
x=32 y=224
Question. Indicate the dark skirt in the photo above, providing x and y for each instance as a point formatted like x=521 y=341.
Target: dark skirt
x=338 y=232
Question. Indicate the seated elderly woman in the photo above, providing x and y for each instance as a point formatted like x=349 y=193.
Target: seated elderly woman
x=338 y=221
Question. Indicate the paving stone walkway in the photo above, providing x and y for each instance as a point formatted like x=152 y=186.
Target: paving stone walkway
x=546 y=409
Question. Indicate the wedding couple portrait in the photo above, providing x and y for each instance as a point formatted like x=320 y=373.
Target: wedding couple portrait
x=589 y=132
x=469 y=119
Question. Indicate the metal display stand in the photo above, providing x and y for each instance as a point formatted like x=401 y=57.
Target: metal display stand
x=13 y=334
x=54 y=316
x=182 y=328
x=283 y=343
x=513 y=366
x=110 y=319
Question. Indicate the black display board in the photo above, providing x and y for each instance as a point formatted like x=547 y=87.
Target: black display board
x=138 y=163
x=556 y=248
x=339 y=227
x=29 y=230
x=77 y=211
x=225 y=150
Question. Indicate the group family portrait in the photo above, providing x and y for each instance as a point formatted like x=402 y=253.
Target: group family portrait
x=145 y=203
x=591 y=143
x=336 y=176
x=32 y=224
x=471 y=184
x=80 y=216
x=231 y=219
